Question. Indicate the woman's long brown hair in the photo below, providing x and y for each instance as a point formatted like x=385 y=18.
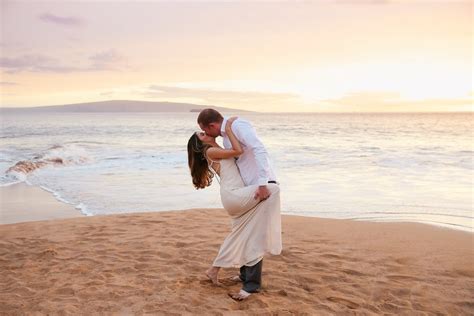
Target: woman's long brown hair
x=197 y=162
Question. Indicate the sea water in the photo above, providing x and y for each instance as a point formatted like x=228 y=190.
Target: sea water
x=378 y=167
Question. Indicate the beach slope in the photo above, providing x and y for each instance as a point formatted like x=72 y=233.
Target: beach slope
x=151 y=263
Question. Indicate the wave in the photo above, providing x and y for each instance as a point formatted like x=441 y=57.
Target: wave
x=81 y=207
x=55 y=156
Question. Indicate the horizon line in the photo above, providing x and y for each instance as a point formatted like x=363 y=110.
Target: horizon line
x=260 y=112
x=220 y=106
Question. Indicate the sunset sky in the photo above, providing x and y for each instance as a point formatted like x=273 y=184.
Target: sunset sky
x=336 y=56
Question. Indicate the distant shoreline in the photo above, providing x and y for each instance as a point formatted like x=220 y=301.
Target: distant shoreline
x=113 y=106
x=130 y=106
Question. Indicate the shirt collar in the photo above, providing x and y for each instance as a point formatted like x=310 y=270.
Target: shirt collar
x=224 y=122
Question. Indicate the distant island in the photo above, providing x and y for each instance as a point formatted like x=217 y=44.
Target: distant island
x=120 y=106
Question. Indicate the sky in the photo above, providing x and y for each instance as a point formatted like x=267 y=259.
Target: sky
x=285 y=56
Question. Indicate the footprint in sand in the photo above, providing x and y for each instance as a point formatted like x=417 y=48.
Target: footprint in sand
x=67 y=291
x=389 y=307
x=353 y=272
x=48 y=253
x=163 y=255
x=155 y=222
x=332 y=256
x=321 y=264
x=465 y=273
x=142 y=266
x=340 y=300
x=401 y=278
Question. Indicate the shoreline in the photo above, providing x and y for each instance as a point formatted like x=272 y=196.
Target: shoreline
x=21 y=202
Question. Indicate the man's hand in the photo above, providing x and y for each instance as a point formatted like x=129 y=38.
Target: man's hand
x=262 y=193
x=231 y=120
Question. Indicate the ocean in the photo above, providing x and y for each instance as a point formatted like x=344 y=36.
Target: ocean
x=376 y=167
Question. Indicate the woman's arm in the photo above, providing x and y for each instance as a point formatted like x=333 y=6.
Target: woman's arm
x=221 y=153
x=233 y=139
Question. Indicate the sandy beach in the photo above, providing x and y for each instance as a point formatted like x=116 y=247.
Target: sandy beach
x=154 y=263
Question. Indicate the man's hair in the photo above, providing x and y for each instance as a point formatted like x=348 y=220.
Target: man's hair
x=208 y=116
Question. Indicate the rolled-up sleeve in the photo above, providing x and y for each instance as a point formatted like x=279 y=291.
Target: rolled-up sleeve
x=246 y=134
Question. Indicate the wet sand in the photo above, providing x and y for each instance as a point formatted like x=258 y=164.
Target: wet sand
x=24 y=203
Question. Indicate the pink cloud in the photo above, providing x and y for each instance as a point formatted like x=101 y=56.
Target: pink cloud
x=106 y=60
x=33 y=63
x=67 y=21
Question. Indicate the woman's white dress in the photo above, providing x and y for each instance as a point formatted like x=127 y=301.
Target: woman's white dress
x=256 y=226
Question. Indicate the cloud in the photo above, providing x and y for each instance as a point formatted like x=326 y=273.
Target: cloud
x=242 y=99
x=14 y=44
x=33 y=63
x=362 y=101
x=387 y=101
x=160 y=90
x=66 y=21
x=363 y=1
x=108 y=60
x=377 y=2
x=107 y=93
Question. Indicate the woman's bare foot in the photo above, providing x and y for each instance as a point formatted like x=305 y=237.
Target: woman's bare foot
x=242 y=295
x=211 y=273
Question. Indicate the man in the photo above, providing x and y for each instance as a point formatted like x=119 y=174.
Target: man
x=254 y=167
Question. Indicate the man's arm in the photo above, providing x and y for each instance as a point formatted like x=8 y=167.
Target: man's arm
x=247 y=135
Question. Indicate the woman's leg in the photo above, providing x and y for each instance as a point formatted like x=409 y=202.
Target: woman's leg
x=212 y=273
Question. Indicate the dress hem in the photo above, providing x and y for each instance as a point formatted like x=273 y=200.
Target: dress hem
x=238 y=265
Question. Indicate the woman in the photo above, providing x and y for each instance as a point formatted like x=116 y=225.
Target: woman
x=256 y=225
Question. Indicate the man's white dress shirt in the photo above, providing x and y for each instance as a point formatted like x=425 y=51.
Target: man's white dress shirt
x=254 y=164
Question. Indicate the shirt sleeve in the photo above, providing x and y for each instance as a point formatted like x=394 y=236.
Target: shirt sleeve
x=246 y=134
